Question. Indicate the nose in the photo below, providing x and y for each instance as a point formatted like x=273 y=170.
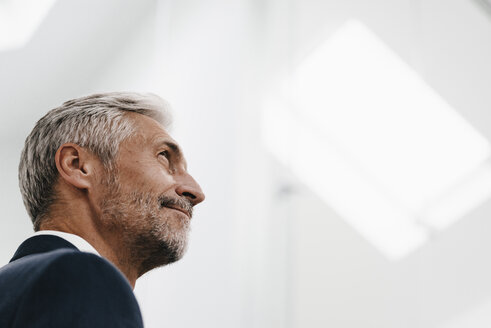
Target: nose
x=190 y=189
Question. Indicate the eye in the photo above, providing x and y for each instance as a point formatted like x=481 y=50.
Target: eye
x=165 y=154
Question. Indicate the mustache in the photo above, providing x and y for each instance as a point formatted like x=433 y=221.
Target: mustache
x=182 y=203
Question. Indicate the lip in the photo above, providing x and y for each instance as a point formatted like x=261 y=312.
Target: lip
x=180 y=210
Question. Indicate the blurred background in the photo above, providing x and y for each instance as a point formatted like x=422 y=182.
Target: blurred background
x=344 y=147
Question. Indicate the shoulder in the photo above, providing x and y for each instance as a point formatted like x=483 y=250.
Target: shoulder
x=83 y=276
x=75 y=266
x=63 y=266
x=76 y=289
x=79 y=270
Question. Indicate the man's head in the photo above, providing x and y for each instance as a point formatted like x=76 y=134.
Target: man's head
x=110 y=154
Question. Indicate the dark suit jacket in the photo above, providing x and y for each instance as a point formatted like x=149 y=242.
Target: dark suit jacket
x=50 y=283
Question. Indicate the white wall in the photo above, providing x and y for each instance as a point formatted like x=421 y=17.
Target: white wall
x=339 y=279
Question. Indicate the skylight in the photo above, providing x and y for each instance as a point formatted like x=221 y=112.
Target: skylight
x=19 y=19
x=378 y=144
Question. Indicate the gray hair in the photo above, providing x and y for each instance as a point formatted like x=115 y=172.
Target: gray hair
x=97 y=122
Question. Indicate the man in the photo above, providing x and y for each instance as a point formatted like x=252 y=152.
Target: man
x=110 y=198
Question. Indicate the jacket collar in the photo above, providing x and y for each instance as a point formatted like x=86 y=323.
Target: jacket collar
x=41 y=244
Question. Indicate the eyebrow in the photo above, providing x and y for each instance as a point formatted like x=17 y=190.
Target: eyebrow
x=174 y=148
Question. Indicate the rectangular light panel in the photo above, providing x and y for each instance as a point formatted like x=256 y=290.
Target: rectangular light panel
x=378 y=144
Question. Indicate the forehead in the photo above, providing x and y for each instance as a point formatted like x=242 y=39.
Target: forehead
x=147 y=127
x=149 y=134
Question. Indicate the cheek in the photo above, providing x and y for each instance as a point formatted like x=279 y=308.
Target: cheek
x=147 y=177
x=158 y=180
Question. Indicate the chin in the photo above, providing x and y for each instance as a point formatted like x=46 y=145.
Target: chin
x=174 y=250
x=158 y=252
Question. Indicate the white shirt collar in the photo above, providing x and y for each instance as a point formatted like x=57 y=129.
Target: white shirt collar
x=77 y=241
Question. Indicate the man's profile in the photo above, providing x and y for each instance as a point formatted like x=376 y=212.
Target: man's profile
x=110 y=198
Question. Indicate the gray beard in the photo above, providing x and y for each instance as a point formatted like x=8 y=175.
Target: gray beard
x=149 y=240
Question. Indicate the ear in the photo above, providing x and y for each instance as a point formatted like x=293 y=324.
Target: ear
x=75 y=165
